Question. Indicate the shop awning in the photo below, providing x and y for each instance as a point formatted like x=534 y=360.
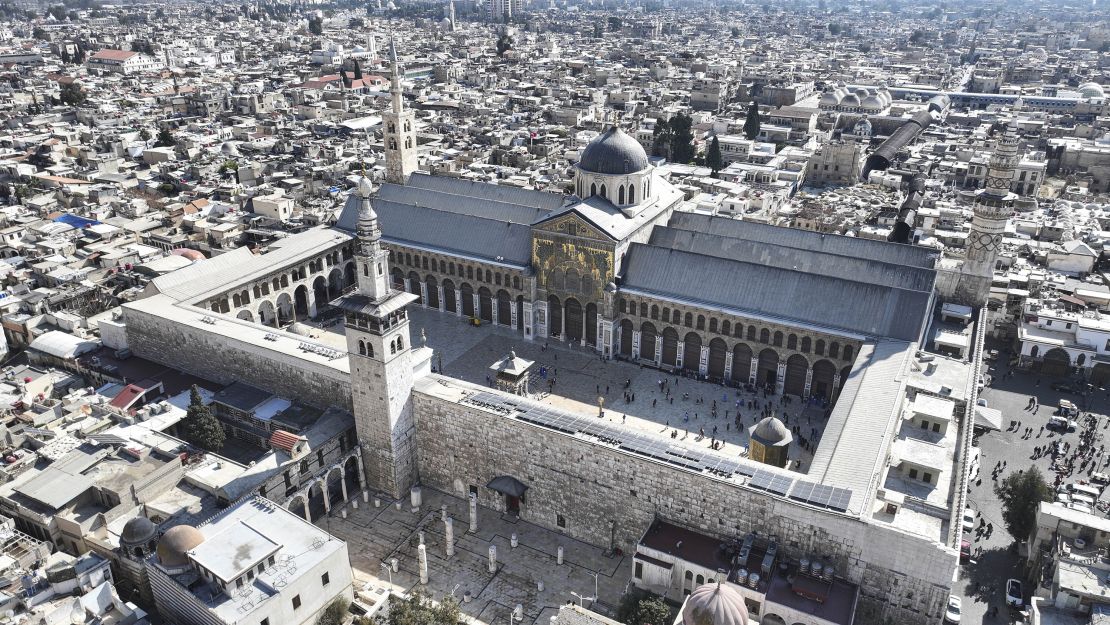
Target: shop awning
x=508 y=485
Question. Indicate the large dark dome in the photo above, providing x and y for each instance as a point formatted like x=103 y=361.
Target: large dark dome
x=613 y=152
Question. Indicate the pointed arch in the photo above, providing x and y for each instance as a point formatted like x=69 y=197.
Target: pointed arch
x=632 y=193
x=603 y=193
x=620 y=194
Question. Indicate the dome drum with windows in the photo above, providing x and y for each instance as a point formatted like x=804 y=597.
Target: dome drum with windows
x=615 y=167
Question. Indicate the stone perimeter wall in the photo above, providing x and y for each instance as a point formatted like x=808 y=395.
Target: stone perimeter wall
x=903 y=579
x=224 y=361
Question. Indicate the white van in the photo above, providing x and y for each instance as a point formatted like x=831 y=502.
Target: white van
x=1083 y=489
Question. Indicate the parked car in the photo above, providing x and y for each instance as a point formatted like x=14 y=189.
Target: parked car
x=1061 y=424
x=1064 y=387
x=952 y=613
x=992 y=355
x=965 y=551
x=1067 y=409
x=969 y=520
x=1014 y=595
x=1100 y=478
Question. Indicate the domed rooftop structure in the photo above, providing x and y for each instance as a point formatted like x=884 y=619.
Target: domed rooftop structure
x=862 y=128
x=771 y=432
x=137 y=531
x=872 y=102
x=1091 y=90
x=862 y=93
x=613 y=152
x=176 y=542
x=230 y=148
x=850 y=100
x=829 y=98
x=715 y=604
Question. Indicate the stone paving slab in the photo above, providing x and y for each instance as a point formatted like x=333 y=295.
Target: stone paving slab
x=379 y=534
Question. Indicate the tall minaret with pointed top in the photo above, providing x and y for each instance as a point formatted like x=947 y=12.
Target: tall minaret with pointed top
x=399 y=132
x=379 y=351
x=451 y=13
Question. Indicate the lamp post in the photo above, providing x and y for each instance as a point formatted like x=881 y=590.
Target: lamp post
x=581 y=599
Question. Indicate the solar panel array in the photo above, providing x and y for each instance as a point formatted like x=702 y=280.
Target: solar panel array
x=666 y=450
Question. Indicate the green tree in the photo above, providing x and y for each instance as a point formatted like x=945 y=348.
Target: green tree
x=614 y=23
x=417 y=609
x=166 y=139
x=72 y=94
x=661 y=139
x=735 y=32
x=751 y=124
x=598 y=30
x=144 y=134
x=1021 y=494
x=5 y=192
x=834 y=29
x=39 y=33
x=316 y=25
x=682 y=141
x=504 y=44
x=650 y=611
x=713 y=157
x=356 y=23
x=335 y=613
x=358 y=71
x=200 y=427
x=918 y=36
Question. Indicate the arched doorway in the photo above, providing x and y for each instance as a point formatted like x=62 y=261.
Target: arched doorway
x=823 y=374
x=504 y=308
x=626 y=339
x=285 y=308
x=1056 y=362
x=298 y=505
x=351 y=468
x=414 y=287
x=554 y=317
x=647 y=340
x=468 y=299
x=300 y=301
x=796 y=369
x=772 y=619
x=335 y=283
x=741 y=363
x=335 y=486
x=316 y=500
x=591 y=324
x=266 y=314
x=670 y=347
x=485 y=304
x=718 y=351
x=398 y=278
x=691 y=351
x=349 y=274
x=449 y=302
x=433 y=291
x=320 y=291
x=244 y=315
x=768 y=369
x=573 y=311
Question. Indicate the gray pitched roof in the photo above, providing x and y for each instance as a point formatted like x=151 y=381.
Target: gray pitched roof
x=485 y=191
x=805 y=239
x=813 y=299
x=455 y=232
x=807 y=261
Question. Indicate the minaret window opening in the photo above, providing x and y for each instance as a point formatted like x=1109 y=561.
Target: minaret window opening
x=593 y=189
x=620 y=195
x=392 y=348
x=632 y=193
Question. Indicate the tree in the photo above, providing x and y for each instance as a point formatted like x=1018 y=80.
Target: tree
x=661 y=139
x=598 y=30
x=614 y=23
x=165 y=139
x=1021 y=494
x=735 y=32
x=650 y=611
x=417 y=609
x=356 y=23
x=751 y=124
x=72 y=94
x=316 y=25
x=682 y=141
x=335 y=613
x=144 y=134
x=918 y=36
x=834 y=29
x=504 y=44
x=39 y=33
x=200 y=427
x=358 y=71
x=713 y=157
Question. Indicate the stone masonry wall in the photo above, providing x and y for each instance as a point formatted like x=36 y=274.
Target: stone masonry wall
x=223 y=361
x=904 y=579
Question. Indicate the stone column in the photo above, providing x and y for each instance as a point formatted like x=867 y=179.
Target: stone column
x=513 y=320
x=408 y=284
x=310 y=299
x=307 y=513
x=527 y=321
x=493 y=558
x=703 y=361
x=681 y=353
x=728 y=365
x=635 y=344
x=477 y=305
x=563 y=323
x=753 y=375
x=809 y=382
x=442 y=302
x=836 y=385
x=343 y=487
x=449 y=536
x=423 y=294
x=541 y=319
x=780 y=378
x=458 y=303
x=605 y=338
x=422 y=557
x=658 y=349
x=473 y=503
